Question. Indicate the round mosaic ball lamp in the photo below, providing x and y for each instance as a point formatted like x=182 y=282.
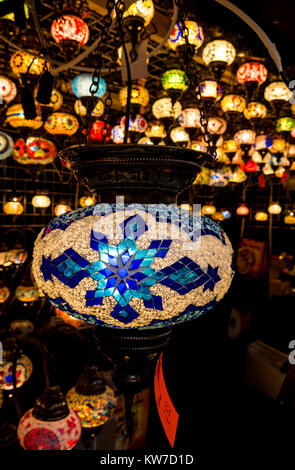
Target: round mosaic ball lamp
x=195 y=36
x=140 y=98
x=289 y=217
x=8 y=89
x=23 y=368
x=180 y=136
x=174 y=82
x=6 y=145
x=254 y=111
x=81 y=110
x=115 y=272
x=274 y=208
x=155 y=131
x=70 y=32
x=99 y=132
x=34 y=150
x=251 y=74
x=81 y=87
x=210 y=90
x=16 y=118
x=13 y=207
x=233 y=104
x=137 y=126
x=285 y=124
x=4 y=293
x=218 y=54
x=50 y=424
x=23 y=62
x=87 y=201
x=243 y=210
x=93 y=401
x=164 y=110
x=61 y=124
x=61 y=209
x=261 y=216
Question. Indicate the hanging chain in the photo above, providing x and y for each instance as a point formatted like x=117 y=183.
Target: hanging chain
x=93 y=89
x=193 y=76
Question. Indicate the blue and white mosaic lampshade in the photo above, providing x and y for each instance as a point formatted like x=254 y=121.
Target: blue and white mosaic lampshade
x=122 y=267
x=6 y=146
x=81 y=86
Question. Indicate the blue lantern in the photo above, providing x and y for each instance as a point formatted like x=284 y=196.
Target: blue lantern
x=81 y=86
x=120 y=266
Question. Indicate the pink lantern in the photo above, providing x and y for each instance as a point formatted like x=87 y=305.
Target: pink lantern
x=252 y=72
x=242 y=209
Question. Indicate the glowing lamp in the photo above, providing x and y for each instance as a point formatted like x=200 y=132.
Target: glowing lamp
x=261 y=216
x=4 y=294
x=99 y=132
x=195 y=35
x=56 y=99
x=13 y=208
x=245 y=137
x=99 y=277
x=81 y=86
x=50 y=425
x=263 y=142
x=61 y=209
x=216 y=125
x=251 y=166
x=237 y=176
x=226 y=214
x=285 y=124
x=155 y=131
x=233 y=103
x=68 y=319
x=136 y=125
x=6 y=146
x=24 y=367
x=189 y=118
x=92 y=400
x=163 y=108
x=34 y=151
x=210 y=90
x=61 y=124
x=255 y=110
x=274 y=208
x=16 y=118
x=208 y=209
x=293 y=133
x=41 y=201
x=242 y=210
x=143 y=9
x=70 y=32
x=230 y=146
x=179 y=135
x=87 y=201
x=27 y=293
x=81 y=110
x=197 y=145
x=175 y=80
x=277 y=91
x=117 y=134
x=289 y=218
x=278 y=146
x=218 y=54
x=8 y=89
x=252 y=72
x=23 y=62
x=139 y=96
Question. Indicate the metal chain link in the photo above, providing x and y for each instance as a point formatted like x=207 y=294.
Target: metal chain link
x=193 y=76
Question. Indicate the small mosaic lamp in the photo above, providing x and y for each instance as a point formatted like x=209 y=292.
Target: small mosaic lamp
x=87 y=201
x=242 y=210
x=50 y=424
x=8 y=89
x=195 y=35
x=252 y=73
x=81 y=110
x=140 y=97
x=6 y=146
x=255 y=111
x=61 y=124
x=70 y=32
x=61 y=209
x=15 y=117
x=208 y=209
x=22 y=62
x=166 y=111
x=180 y=136
x=274 y=208
x=277 y=91
x=289 y=218
x=233 y=103
x=81 y=86
x=210 y=90
x=155 y=131
x=218 y=54
x=24 y=366
x=261 y=216
x=174 y=82
x=41 y=201
x=13 y=207
x=99 y=132
x=35 y=150
x=285 y=124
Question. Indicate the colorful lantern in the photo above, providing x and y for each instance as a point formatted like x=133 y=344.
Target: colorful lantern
x=56 y=99
x=175 y=80
x=255 y=110
x=145 y=141
x=81 y=86
x=263 y=142
x=210 y=90
x=138 y=124
x=99 y=131
x=139 y=96
x=16 y=118
x=197 y=145
x=117 y=134
x=285 y=124
x=162 y=108
x=143 y=9
x=245 y=137
x=277 y=91
x=219 y=51
x=261 y=216
x=61 y=123
x=179 y=135
x=87 y=201
x=289 y=218
x=252 y=72
x=195 y=35
x=25 y=293
x=70 y=29
x=23 y=62
x=24 y=370
x=155 y=129
x=274 y=208
x=6 y=145
x=278 y=146
x=237 y=176
x=50 y=425
x=41 y=201
x=34 y=150
x=13 y=208
x=233 y=103
x=208 y=209
x=216 y=125
x=8 y=89
x=61 y=209
x=230 y=146
x=4 y=294
x=219 y=178
x=190 y=118
x=226 y=214
x=109 y=283
x=80 y=109
x=242 y=209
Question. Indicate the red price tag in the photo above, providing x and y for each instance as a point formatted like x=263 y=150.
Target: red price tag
x=167 y=412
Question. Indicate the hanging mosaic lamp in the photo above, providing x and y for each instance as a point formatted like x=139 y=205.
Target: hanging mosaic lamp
x=23 y=62
x=261 y=216
x=56 y=100
x=289 y=217
x=99 y=131
x=195 y=35
x=155 y=131
x=50 y=425
x=210 y=90
x=81 y=86
x=140 y=97
x=8 y=89
x=70 y=32
x=230 y=146
x=27 y=292
x=255 y=110
x=252 y=72
x=179 y=136
x=106 y=264
x=143 y=9
x=233 y=103
x=274 y=208
x=237 y=176
x=92 y=399
x=61 y=209
x=277 y=92
x=6 y=146
x=243 y=209
x=35 y=150
x=278 y=146
x=216 y=125
x=285 y=124
x=81 y=110
x=137 y=125
x=218 y=54
x=208 y=209
x=174 y=81
x=16 y=118
x=117 y=134
x=4 y=294
x=87 y=201
x=61 y=124
x=24 y=366
x=165 y=110
x=245 y=137
x=190 y=118
x=13 y=207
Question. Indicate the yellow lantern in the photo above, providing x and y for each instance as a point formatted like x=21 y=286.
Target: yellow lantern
x=87 y=201
x=255 y=110
x=23 y=62
x=233 y=103
x=13 y=208
x=230 y=146
x=209 y=209
x=61 y=209
x=139 y=95
x=61 y=123
x=277 y=91
x=261 y=216
x=274 y=208
x=143 y=9
x=219 y=51
x=41 y=201
x=15 y=117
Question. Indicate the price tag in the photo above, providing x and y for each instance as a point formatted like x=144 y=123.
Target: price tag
x=167 y=412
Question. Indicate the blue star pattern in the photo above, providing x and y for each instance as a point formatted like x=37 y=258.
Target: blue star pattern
x=124 y=272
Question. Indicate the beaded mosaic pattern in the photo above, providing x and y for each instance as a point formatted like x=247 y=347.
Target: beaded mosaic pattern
x=130 y=278
x=24 y=369
x=34 y=434
x=93 y=410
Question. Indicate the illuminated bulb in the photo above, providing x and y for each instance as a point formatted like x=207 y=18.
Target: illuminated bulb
x=41 y=201
x=208 y=209
x=70 y=32
x=277 y=91
x=6 y=145
x=242 y=210
x=245 y=137
x=81 y=86
x=143 y=9
x=285 y=124
x=23 y=62
x=233 y=103
x=210 y=90
x=190 y=118
x=86 y=201
x=81 y=110
x=255 y=110
x=175 y=80
x=8 y=89
x=13 y=208
x=61 y=209
x=117 y=134
x=179 y=135
x=24 y=366
x=162 y=108
x=230 y=146
x=139 y=96
x=216 y=125
x=274 y=208
x=61 y=124
x=261 y=216
x=219 y=52
x=16 y=118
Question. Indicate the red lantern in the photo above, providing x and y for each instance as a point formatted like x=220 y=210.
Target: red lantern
x=252 y=72
x=243 y=209
x=250 y=166
x=70 y=32
x=99 y=131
